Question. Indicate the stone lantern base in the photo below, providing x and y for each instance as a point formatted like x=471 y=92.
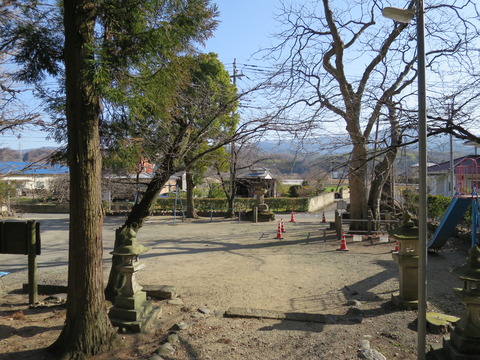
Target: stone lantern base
x=133 y=313
x=408 y=271
x=460 y=347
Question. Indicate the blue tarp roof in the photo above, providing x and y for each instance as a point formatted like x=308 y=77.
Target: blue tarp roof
x=25 y=168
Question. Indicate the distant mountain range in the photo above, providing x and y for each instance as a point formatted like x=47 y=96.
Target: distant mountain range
x=294 y=156
x=340 y=145
x=30 y=155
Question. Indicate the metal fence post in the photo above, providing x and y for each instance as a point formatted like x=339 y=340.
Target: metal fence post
x=32 y=262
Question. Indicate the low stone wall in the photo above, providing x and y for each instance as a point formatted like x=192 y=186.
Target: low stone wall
x=320 y=202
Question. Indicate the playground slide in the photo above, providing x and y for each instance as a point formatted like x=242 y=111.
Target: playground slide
x=452 y=217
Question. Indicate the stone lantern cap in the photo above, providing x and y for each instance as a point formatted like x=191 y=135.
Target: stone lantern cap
x=129 y=244
x=407 y=231
x=470 y=271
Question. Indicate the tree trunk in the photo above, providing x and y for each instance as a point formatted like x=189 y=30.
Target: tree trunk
x=231 y=207
x=191 y=212
x=135 y=220
x=382 y=172
x=232 y=188
x=381 y=176
x=358 y=187
x=87 y=329
x=142 y=209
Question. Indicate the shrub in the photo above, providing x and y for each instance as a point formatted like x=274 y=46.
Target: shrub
x=437 y=205
x=241 y=204
x=293 y=190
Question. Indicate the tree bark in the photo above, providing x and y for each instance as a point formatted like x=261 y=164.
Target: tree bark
x=191 y=212
x=87 y=329
x=358 y=187
x=382 y=171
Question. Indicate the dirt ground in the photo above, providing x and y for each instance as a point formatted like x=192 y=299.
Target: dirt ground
x=224 y=264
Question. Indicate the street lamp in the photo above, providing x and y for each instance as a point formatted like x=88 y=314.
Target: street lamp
x=405 y=16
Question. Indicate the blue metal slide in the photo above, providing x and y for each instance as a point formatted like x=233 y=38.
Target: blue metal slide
x=452 y=217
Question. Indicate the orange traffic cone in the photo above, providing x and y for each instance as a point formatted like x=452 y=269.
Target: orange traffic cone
x=282 y=226
x=323 y=217
x=343 y=243
x=279 y=232
x=396 y=247
x=292 y=218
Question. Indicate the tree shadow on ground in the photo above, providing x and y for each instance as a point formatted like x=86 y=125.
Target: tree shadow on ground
x=37 y=354
x=213 y=245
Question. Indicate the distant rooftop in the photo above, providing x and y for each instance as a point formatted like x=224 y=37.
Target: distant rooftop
x=466 y=161
x=26 y=168
x=260 y=172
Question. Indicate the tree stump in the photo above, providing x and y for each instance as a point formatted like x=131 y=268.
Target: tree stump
x=440 y=323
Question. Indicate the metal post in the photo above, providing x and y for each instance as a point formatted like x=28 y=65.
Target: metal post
x=405 y=16
x=422 y=154
x=32 y=261
x=452 y=169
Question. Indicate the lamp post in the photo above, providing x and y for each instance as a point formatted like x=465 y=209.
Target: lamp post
x=405 y=16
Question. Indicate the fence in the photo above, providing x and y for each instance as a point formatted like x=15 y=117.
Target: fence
x=374 y=227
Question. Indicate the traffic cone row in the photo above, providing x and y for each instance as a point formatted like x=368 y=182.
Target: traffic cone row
x=279 y=232
x=343 y=243
x=292 y=217
x=323 y=217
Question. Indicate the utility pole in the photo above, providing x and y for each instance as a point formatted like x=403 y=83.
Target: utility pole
x=232 y=144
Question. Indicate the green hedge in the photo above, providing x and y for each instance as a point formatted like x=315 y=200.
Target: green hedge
x=241 y=204
x=437 y=207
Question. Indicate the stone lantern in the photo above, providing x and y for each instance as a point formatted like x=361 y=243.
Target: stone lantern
x=407 y=260
x=464 y=343
x=260 y=211
x=131 y=306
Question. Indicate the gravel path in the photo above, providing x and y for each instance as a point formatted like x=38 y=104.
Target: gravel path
x=220 y=265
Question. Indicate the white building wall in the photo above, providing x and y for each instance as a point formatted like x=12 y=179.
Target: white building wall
x=30 y=182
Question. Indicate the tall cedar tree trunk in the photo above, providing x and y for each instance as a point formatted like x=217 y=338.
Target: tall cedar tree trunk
x=191 y=212
x=87 y=329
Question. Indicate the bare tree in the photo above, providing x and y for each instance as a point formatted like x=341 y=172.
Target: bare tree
x=60 y=188
x=342 y=62
x=243 y=154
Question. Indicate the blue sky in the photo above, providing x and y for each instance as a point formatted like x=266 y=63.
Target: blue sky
x=245 y=27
